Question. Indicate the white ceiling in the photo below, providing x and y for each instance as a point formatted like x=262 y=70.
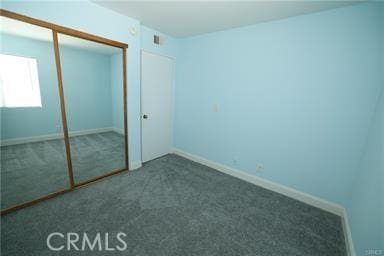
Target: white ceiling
x=22 y=29
x=189 y=18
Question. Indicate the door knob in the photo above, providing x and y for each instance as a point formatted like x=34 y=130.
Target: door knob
x=145 y=116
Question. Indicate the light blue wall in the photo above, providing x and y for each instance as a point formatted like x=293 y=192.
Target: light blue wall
x=87 y=88
x=117 y=91
x=366 y=205
x=92 y=18
x=84 y=73
x=296 y=95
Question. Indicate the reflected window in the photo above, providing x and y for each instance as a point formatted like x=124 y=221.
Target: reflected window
x=19 y=82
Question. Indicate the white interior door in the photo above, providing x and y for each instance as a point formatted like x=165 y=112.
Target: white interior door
x=157 y=76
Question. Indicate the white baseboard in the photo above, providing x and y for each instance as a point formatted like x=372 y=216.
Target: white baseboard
x=347 y=234
x=282 y=189
x=90 y=131
x=23 y=140
x=279 y=188
x=55 y=136
x=118 y=130
x=135 y=165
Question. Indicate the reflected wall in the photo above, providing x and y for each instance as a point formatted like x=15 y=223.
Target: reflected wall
x=93 y=89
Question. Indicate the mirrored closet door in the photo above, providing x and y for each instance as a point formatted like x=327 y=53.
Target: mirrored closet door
x=92 y=76
x=62 y=107
x=33 y=154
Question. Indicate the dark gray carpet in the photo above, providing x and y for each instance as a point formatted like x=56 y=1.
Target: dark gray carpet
x=172 y=206
x=96 y=154
x=31 y=170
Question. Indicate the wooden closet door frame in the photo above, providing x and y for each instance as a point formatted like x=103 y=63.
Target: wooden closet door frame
x=76 y=33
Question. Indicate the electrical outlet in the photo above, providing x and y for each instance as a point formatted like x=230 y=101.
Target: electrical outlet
x=259 y=167
x=58 y=128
